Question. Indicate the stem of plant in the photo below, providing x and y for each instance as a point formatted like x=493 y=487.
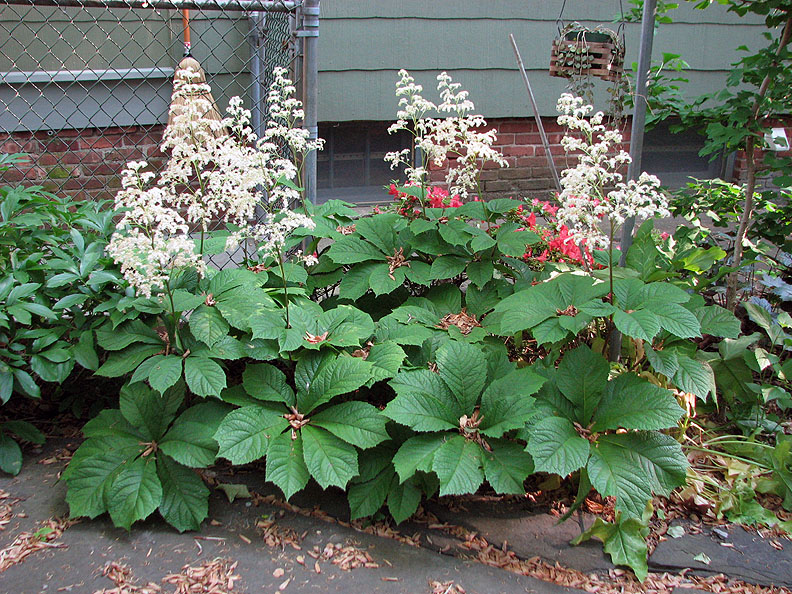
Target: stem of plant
x=285 y=288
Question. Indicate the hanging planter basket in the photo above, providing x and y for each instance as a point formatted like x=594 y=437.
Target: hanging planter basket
x=581 y=51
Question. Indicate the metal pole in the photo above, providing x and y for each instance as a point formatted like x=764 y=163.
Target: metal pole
x=538 y=118
x=310 y=33
x=639 y=113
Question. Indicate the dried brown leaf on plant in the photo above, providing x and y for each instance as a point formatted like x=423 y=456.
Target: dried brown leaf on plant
x=27 y=543
x=212 y=577
x=462 y=320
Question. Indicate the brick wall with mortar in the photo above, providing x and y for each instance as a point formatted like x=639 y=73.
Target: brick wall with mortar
x=81 y=163
x=528 y=173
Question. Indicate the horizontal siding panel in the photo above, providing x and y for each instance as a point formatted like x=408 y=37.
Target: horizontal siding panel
x=603 y=11
x=366 y=95
x=375 y=44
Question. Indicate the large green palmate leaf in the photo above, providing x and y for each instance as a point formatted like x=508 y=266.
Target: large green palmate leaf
x=369 y=491
x=448 y=267
x=208 y=325
x=161 y=371
x=457 y=464
x=241 y=304
x=631 y=402
x=507 y=403
x=386 y=359
x=403 y=500
x=718 y=321
x=694 y=376
x=204 y=376
x=379 y=230
x=356 y=281
x=352 y=250
x=135 y=492
x=266 y=382
x=91 y=471
x=382 y=281
x=147 y=410
x=245 y=433
x=582 y=376
x=417 y=453
x=556 y=447
x=676 y=319
x=358 y=423
x=507 y=466
x=641 y=323
x=185 y=498
x=423 y=402
x=631 y=466
x=116 y=339
x=190 y=440
x=624 y=542
x=463 y=368
x=330 y=460
x=286 y=464
x=336 y=375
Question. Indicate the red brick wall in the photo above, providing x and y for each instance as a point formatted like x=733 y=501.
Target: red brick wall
x=81 y=163
x=528 y=173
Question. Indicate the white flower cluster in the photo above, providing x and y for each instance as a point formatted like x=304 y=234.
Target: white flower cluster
x=455 y=137
x=218 y=171
x=593 y=190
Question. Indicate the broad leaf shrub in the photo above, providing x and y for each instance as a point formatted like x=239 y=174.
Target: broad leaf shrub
x=55 y=283
x=424 y=349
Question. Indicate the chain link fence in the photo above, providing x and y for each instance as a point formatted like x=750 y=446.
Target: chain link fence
x=85 y=85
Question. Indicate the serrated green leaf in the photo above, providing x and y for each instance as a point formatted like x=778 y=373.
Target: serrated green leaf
x=631 y=466
x=145 y=409
x=330 y=460
x=718 y=321
x=165 y=372
x=134 y=493
x=379 y=230
x=286 y=465
x=641 y=323
x=664 y=361
x=624 y=542
x=190 y=441
x=582 y=376
x=447 y=267
x=245 y=433
x=694 y=376
x=631 y=402
x=417 y=453
x=463 y=368
x=204 y=376
x=457 y=464
x=208 y=325
x=386 y=359
x=506 y=467
x=352 y=250
x=124 y=361
x=382 y=281
x=507 y=404
x=366 y=498
x=513 y=243
x=116 y=339
x=339 y=375
x=91 y=471
x=356 y=281
x=676 y=319
x=423 y=402
x=403 y=500
x=84 y=351
x=267 y=382
x=185 y=497
x=480 y=273
x=556 y=446
x=358 y=423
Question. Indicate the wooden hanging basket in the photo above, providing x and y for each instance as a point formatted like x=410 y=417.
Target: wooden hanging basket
x=580 y=51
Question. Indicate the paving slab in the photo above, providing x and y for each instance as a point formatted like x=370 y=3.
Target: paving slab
x=530 y=532
x=153 y=550
x=746 y=556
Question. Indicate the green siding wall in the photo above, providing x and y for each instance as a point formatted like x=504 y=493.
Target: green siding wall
x=363 y=44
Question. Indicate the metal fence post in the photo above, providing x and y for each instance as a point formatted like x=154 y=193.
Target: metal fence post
x=310 y=34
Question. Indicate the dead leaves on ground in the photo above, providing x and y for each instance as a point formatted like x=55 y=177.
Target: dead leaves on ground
x=212 y=577
x=27 y=543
